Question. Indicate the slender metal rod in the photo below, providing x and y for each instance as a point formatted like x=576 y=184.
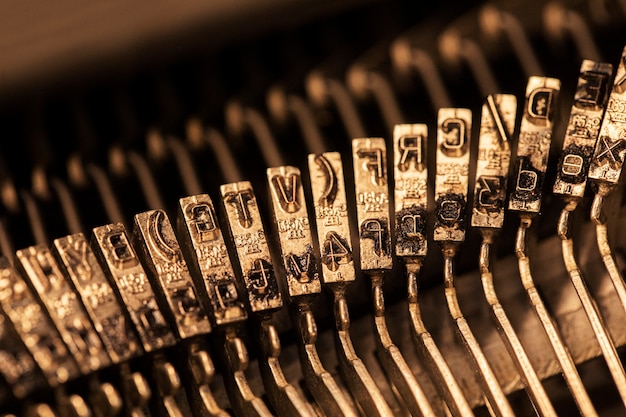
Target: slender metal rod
x=243 y=400
x=516 y=350
x=302 y=278
x=430 y=354
x=591 y=309
x=398 y=371
x=570 y=373
x=493 y=391
x=597 y=216
x=338 y=271
x=358 y=378
x=370 y=178
x=264 y=296
x=322 y=385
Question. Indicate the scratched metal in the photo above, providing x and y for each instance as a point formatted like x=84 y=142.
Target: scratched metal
x=583 y=128
x=18 y=369
x=371 y=185
x=64 y=307
x=294 y=231
x=497 y=124
x=331 y=215
x=533 y=146
x=34 y=327
x=154 y=237
x=121 y=264
x=410 y=189
x=252 y=249
x=608 y=157
x=451 y=178
x=200 y=233
x=102 y=304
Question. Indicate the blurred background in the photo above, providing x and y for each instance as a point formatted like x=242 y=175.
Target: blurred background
x=111 y=108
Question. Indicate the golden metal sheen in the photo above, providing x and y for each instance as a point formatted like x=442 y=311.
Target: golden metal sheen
x=533 y=144
x=34 y=327
x=333 y=230
x=497 y=123
x=294 y=231
x=264 y=297
x=372 y=201
x=203 y=243
x=410 y=189
x=303 y=284
x=102 y=304
x=64 y=307
x=120 y=262
x=494 y=154
x=451 y=177
x=589 y=102
x=605 y=171
x=451 y=187
x=154 y=237
x=411 y=203
x=200 y=233
x=532 y=190
x=608 y=157
x=583 y=128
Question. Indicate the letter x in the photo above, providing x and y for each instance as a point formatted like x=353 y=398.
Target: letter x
x=610 y=151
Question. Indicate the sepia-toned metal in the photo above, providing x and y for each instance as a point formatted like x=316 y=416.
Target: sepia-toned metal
x=454 y=128
x=253 y=252
x=451 y=188
x=331 y=217
x=590 y=307
x=608 y=157
x=606 y=168
x=200 y=233
x=64 y=307
x=583 y=128
x=34 y=327
x=588 y=105
x=303 y=283
x=410 y=189
x=371 y=185
x=203 y=242
x=154 y=237
x=98 y=296
x=264 y=296
x=533 y=147
x=497 y=124
x=411 y=204
x=494 y=154
x=563 y=355
x=19 y=373
x=121 y=264
x=294 y=231
x=338 y=271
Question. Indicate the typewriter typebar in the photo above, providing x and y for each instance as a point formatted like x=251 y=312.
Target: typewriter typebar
x=274 y=208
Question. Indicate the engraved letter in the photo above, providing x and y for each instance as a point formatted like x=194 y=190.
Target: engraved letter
x=375 y=164
x=411 y=148
x=203 y=220
x=287 y=191
x=240 y=201
x=454 y=137
x=539 y=106
x=590 y=95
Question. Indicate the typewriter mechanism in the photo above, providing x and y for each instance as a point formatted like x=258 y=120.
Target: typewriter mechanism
x=313 y=209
